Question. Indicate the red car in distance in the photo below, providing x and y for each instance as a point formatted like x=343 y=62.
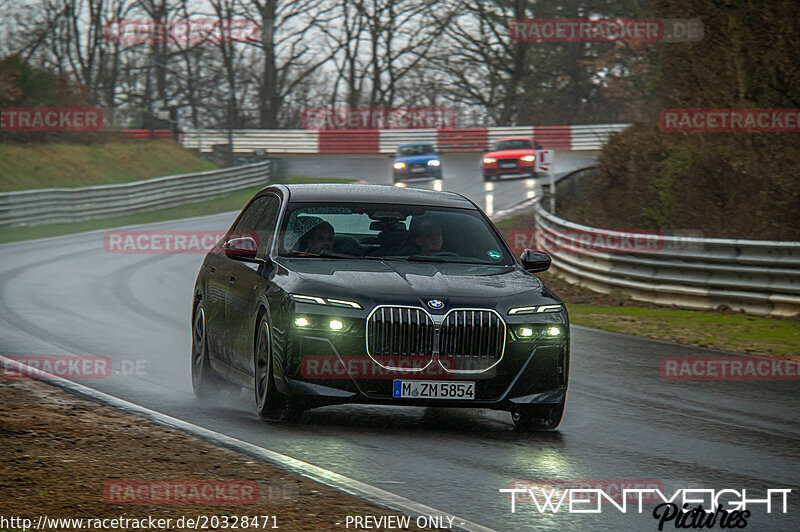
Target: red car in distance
x=511 y=157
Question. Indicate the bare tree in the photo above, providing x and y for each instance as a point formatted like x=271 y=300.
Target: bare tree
x=287 y=28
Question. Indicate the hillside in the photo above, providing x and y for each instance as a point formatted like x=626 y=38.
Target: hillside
x=34 y=165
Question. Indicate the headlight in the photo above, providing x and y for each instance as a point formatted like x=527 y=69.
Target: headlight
x=489 y=160
x=528 y=158
x=434 y=162
x=534 y=310
x=399 y=166
x=536 y=332
x=323 y=301
x=318 y=322
x=553 y=331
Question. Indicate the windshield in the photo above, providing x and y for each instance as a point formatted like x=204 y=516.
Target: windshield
x=420 y=149
x=391 y=232
x=513 y=144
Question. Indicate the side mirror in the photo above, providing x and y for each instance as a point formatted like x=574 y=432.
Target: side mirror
x=535 y=261
x=240 y=248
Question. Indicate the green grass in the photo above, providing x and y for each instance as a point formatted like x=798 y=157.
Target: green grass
x=728 y=332
x=31 y=166
x=234 y=201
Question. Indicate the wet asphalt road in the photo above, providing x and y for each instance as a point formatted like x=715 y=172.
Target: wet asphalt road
x=622 y=421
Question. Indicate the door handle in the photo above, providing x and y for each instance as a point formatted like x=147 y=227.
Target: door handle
x=233 y=279
x=212 y=270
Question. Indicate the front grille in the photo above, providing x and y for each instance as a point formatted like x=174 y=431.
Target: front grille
x=417 y=167
x=400 y=332
x=471 y=340
x=507 y=164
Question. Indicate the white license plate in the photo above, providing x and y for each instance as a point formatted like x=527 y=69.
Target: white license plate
x=507 y=165
x=434 y=389
x=417 y=170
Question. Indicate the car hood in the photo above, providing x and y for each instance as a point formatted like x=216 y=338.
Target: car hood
x=404 y=280
x=509 y=154
x=416 y=158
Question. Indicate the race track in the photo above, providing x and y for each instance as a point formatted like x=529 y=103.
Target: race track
x=67 y=295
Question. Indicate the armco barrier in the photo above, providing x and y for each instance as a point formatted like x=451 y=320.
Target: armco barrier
x=353 y=141
x=385 y=141
x=275 y=141
x=62 y=205
x=145 y=133
x=756 y=276
x=462 y=140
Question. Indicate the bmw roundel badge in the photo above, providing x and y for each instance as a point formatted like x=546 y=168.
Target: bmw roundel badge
x=435 y=304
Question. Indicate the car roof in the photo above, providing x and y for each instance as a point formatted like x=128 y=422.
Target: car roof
x=363 y=193
x=415 y=144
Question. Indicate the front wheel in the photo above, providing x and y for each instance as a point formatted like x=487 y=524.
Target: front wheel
x=488 y=177
x=271 y=405
x=537 y=417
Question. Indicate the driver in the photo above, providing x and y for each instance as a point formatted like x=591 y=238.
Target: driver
x=318 y=239
x=429 y=238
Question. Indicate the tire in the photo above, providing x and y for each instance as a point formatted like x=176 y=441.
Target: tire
x=537 y=418
x=206 y=384
x=271 y=405
x=487 y=177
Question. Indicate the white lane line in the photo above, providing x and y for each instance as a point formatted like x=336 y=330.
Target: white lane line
x=342 y=483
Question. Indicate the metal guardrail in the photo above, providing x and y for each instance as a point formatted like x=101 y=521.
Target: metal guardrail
x=64 y=205
x=385 y=141
x=756 y=276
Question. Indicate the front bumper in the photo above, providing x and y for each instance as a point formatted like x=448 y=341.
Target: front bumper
x=322 y=370
x=521 y=169
x=430 y=172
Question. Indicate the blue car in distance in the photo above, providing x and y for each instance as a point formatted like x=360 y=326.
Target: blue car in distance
x=418 y=160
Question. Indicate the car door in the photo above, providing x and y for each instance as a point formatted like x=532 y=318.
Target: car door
x=249 y=280
x=217 y=271
x=226 y=273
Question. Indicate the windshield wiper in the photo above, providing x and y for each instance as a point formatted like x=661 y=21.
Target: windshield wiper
x=323 y=255
x=425 y=258
x=451 y=260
